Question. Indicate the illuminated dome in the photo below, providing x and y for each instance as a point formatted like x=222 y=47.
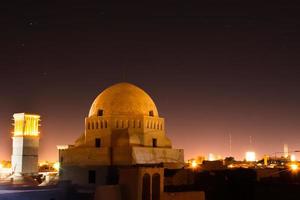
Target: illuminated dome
x=123 y=99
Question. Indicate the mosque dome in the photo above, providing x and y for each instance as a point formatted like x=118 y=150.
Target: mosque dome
x=123 y=99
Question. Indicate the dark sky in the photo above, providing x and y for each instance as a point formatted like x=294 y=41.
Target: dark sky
x=213 y=68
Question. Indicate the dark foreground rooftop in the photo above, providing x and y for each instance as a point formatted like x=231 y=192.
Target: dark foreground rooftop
x=244 y=184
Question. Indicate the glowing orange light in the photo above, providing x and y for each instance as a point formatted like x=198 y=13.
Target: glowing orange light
x=194 y=164
x=250 y=156
x=213 y=157
x=56 y=166
x=293 y=158
x=230 y=166
x=294 y=167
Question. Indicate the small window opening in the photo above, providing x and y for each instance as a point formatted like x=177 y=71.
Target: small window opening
x=100 y=112
x=97 y=142
x=154 y=142
x=151 y=113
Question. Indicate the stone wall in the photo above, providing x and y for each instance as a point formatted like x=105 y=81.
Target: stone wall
x=85 y=156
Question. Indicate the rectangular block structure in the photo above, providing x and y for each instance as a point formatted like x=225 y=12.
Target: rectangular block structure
x=25 y=142
x=25 y=154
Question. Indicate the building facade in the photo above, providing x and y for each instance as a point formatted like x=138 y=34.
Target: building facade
x=123 y=129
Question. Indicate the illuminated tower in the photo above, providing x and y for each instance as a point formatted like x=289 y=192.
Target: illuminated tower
x=25 y=143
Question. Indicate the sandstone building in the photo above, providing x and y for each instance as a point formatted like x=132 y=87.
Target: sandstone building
x=123 y=129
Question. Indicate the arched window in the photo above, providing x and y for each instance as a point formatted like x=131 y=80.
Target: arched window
x=117 y=124
x=161 y=127
x=133 y=123
x=122 y=124
x=105 y=124
x=140 y=123
x=97 y=125
x=101 y=124
x=156 y=187
x=93 y=125
x=89 y=125
x=157 y=126
x=146 y=187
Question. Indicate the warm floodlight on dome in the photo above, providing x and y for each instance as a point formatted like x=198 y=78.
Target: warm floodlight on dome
x=123 y=99
x=26 y=124
x=250 y=156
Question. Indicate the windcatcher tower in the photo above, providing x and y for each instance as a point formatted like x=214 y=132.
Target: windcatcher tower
x=25 y=144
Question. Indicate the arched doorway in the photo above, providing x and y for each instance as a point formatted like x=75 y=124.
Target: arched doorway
x=156 y=187
x=146 y=187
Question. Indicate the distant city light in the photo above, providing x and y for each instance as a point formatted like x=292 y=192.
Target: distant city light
x=285 y=151
x=266 y=158
x=1 y=165
x=213 y=157
x=43 y=163
x=56 y=166
x=230 y=166
x=194 y=164
x=250 y=156
x=294 y=167
x=293 y=158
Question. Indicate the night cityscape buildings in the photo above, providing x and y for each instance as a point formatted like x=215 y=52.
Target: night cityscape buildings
x=124 y=153
x=224 y=76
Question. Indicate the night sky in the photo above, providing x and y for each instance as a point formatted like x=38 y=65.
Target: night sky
x=213 y=69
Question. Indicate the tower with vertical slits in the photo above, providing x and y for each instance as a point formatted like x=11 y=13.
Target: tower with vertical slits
x=25 y=143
